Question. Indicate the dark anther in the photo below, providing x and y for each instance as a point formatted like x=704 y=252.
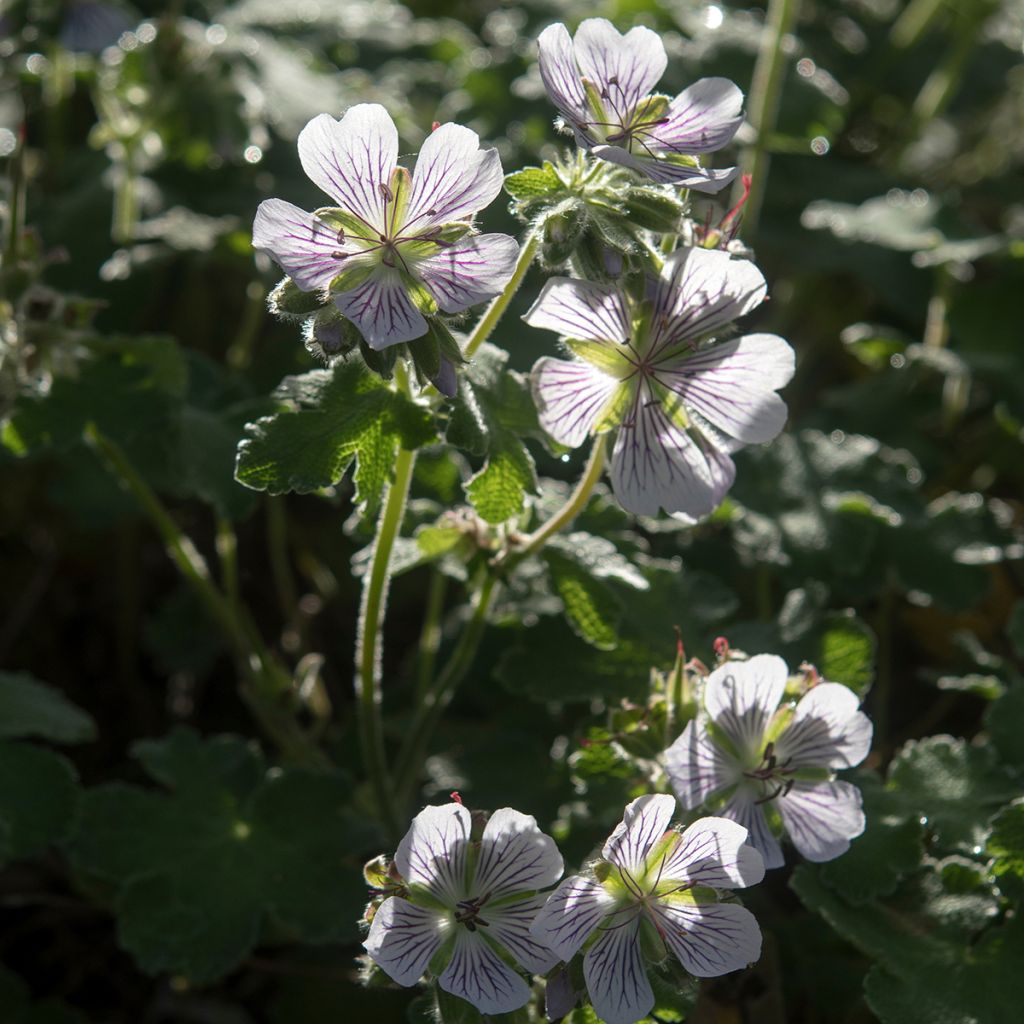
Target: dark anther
x=385 y=192
x=338 y=255
x=341 y=236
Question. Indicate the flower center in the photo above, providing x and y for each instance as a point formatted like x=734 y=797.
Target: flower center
x=775 y=777
x=467 y=912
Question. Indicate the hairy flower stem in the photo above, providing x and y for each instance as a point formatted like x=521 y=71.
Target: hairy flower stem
x=368 y=642
x=267 y=683
x=499 y=304
x=438 y=695
x=763 y=107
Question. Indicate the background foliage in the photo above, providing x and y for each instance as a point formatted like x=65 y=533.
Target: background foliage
x=162 y=862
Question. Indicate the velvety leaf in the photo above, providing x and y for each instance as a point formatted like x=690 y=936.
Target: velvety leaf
x=31 y=708
x=591 y=606
x=1004 y=720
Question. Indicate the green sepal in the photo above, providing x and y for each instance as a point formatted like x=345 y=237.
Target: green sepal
x=352 y=276
x=331 y=335
x=654 y=210
x=400 y=187
x=417 y=291
x=607 y=356
x=533 y=182
x=594 y=100
x=342 y=222
x=380 y=362
x=672 y=405
x=289 y=301
x=614 y=410
x=652 y=945
x=651 y=108
x=563 y=228
x=589 y=260
x=375 y=872
x=426 y=356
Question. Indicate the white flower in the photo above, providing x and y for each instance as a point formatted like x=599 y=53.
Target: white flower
x=601 y=83
x=469 y=906
x=756 y=756
x=664 y=883
x=678 y=406
x=396 y=245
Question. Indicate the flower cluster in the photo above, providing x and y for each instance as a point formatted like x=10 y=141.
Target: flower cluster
x=467 y=906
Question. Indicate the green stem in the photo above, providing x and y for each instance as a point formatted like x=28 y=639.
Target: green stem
x=267 y=682
x=430 y=635
x=280 y=566
x=126 y=211
x=368 y=641
x=439 y=695
x=496 y=309
x=763 y=105
x=227 y=552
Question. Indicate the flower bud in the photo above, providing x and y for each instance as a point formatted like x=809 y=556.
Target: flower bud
x=290 y=302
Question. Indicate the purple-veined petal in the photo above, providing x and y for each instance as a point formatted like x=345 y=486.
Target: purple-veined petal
x=828 y=730
x=656 y=465
x=515 y=856
x=570 y=915
x=469 y=271
x=560 y=996
x=381 y=308
x=403 y=938
x=452 y=180
x=560 y=75
x=644 y=822
x=702 y=118
x=698 y=292
x=433 y=852
x=581 y=310
x=744 y=809
x=446 y=380
x=352 y=158
x=623 y=68
x=714 y=852
x=614 y=972
x=569 y=394
x=509 y=926
x=742 y=696
x=732 y=384
x=651 y=164
x=709 y=939
x=822 y=817
x=299 y=243
x=697 y=767
x=477 y=974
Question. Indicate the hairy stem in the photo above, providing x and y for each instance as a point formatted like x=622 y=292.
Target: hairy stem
x=763 y=105
x=368 y=641
x=496 y=309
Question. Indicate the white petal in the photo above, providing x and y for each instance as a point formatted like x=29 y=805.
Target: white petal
x=827 y=730
x=614 y=972
x=509 y=926
x=569 y=395
x=470 y=271
x=477 y=974
x=350 y=159
x=710 y=939
x=381 y=308
x=714 y=852
x=403 y=938
x=453 y=178
x=733 y=383
x=744 y=809
x=702 y=118
x=515 y=856
x=623 y=68
x=698 y=767
x=433 y=851
x=655 y=465
x=581 y=310
x=570 y=915
x=742 y=696
x=643 y=823
x=301 y=245
x=560 y=75
x=707 y=180
x=822 y=817
x=698 y=292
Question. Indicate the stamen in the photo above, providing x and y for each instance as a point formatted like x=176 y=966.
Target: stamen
x=385 y=192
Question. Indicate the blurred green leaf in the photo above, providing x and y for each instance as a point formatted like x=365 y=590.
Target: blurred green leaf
x=31 y=708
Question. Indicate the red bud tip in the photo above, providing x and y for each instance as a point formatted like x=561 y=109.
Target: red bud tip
x=721 y=646
x=435 y=126
x=454 y=794
x=680 y=650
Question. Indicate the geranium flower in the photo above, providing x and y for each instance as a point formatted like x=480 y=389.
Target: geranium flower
x=756 y=756
x=601 y=83
x=396 y=245
x=678 y=407
x=661 y=882
x=469 y=906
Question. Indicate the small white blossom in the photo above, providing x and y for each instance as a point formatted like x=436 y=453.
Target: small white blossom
x=677 y=404
x=601 y=83
x=396 y=245
x=468 y=906
x=663 y=883
x=746 y=755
